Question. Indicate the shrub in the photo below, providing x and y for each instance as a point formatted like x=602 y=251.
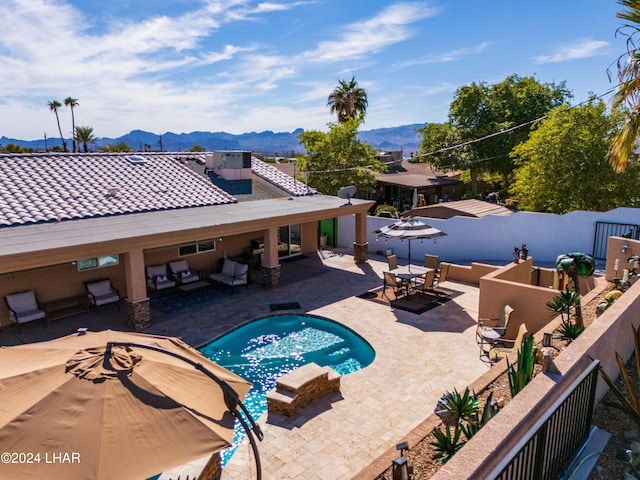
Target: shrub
x=569 y=330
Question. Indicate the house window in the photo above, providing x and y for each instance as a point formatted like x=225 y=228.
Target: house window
x=98 y=262
x=197 y=247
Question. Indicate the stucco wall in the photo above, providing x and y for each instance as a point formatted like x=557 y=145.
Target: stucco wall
x=493 y=238
x=609 y=334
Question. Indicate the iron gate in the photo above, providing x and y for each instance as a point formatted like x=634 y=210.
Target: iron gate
x=604 y=230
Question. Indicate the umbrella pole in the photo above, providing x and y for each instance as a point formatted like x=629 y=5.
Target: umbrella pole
x=409 y=255
x=231 y=398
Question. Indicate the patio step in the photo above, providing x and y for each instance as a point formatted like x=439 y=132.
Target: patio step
x=301 y=386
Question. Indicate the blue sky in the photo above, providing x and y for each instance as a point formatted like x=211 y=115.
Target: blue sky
x=240 y=66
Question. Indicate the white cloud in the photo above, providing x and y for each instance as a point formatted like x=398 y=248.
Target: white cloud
x=579 y=49
x=451 y=56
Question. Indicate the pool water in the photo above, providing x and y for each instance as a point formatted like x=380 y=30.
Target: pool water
x=265 y=349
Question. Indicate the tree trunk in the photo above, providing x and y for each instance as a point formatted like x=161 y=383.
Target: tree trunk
x=576 y=286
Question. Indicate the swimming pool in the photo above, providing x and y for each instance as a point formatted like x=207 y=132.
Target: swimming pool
x=265 y=349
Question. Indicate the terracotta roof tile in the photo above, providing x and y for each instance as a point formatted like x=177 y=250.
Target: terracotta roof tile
x=280 y=179
x=53 y=187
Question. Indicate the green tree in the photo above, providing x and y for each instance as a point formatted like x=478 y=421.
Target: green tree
x=480 y=111
x=84 y=136
x=197 y=148
x=53 y=106
x=626 y=97
x=348 y=100
x=337 y=158
x=439 y=137
x=72 y=103
x=563 y=166
x=119 y=147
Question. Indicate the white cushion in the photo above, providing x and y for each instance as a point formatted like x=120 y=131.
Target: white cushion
x=155 y=270
x=241 y=271
x=23 y=301
x=229 y=267
x=179 y=266
x=100 y=288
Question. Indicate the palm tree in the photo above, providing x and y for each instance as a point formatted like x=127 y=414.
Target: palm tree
x=84 y=136
x=73 y=102
x=627 y=96
x=53 y=106
x=348 y=100
x=576 y=265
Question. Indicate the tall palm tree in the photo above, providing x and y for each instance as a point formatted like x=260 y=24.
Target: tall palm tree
x=72 y=103
x=348 y=100
x=576 y=265
x=627 y=96
x=53 y=106
x=84 y=136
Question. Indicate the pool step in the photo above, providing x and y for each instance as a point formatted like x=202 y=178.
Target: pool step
x=301 y=386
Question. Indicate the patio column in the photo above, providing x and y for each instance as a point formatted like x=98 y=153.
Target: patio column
x=137 y=301
x=270 y=264
x=361 y=246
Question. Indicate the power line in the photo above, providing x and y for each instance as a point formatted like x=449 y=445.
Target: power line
x=510 y=129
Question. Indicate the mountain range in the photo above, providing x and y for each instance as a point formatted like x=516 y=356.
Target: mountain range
x=270 y=143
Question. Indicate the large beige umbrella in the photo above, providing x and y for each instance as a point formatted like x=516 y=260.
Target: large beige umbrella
x=75 y=410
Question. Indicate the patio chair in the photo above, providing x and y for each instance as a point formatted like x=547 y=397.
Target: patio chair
x=101 y=292
x=441 y=277
x=390 y=280
x=426 y=285
x=181 y=272
x=507 y=346
x=392 y=260
x=24 y=307
x=431 y=261
x=491 y=330
x=157 y=278
x=233 y=273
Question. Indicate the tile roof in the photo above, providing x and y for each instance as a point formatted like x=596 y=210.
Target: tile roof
x=280 y=179
x=51 y=187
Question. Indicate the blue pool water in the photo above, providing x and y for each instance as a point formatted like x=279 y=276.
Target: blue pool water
x=265 y=349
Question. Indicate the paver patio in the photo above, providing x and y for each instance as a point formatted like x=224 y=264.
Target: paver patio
x=418 y=358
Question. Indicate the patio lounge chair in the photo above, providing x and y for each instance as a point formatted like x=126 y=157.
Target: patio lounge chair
x=24 y=307
x=157 y=278
x=233 y=273
x=492 y=330
x=101 y=292
x=508 y=346
x=390 y=280
x=181 y=272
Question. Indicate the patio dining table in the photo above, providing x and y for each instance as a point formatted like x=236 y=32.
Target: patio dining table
x=408 y=273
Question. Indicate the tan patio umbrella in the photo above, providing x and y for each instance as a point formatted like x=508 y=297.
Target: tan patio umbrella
x=77 y=411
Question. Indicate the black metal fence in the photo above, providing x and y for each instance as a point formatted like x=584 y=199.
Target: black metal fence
x=604 y=230
x=554 y=440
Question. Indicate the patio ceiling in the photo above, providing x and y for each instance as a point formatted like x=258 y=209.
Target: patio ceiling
x=33 y=246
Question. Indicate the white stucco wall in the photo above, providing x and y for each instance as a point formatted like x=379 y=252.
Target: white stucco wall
x=493 y=238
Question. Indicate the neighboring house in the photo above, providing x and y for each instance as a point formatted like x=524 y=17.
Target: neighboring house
x=69 y=218
x=404 y=179
x=459 y=208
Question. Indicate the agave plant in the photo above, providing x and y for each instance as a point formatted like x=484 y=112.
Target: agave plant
x=520 y=377
x=576 y=265
x=564 y=302
x=627 y=397
x=446 y=443
x=477 y=421
x=460 y=407
x=569 y=331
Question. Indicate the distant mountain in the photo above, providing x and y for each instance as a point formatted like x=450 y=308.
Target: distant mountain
x=283 y=143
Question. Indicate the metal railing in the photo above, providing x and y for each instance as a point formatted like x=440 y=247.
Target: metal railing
x=556 y=437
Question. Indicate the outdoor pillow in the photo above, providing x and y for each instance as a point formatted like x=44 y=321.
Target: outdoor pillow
x=229 y=267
